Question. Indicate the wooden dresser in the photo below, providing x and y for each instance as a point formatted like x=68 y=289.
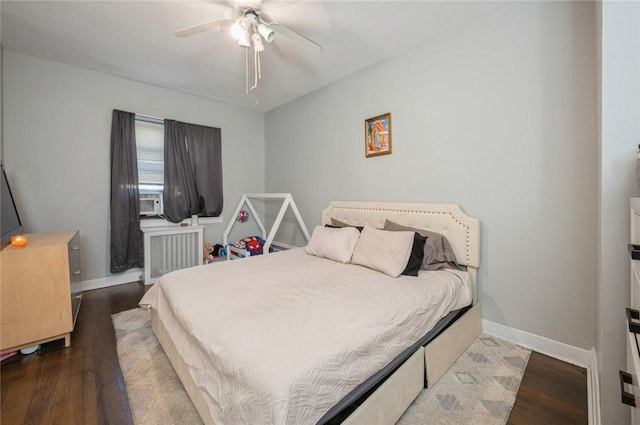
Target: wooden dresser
x=40 y=290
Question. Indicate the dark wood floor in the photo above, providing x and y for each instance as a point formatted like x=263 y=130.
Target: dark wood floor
x=83 y=384
x=552 y=392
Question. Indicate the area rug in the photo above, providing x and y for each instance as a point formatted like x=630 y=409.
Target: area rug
x=480 y=388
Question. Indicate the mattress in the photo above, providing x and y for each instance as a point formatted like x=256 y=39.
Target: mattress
x=281 y=338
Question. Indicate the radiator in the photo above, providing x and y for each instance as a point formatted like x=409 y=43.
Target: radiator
x=170 y=248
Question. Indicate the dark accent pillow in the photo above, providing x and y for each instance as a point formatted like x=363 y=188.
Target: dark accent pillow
x=417 y=255
x=438 y=253
x=338 y=223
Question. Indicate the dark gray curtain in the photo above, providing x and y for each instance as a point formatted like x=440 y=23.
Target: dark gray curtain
x=126 y=236
x=192 y=170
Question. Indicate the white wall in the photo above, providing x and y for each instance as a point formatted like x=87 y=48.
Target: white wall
x=57 y=125
x=620 y=136
x=499 y=116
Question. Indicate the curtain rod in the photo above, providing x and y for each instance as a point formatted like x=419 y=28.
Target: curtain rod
x=151 y=119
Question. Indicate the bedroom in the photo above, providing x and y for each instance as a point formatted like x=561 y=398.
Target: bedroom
x=499 y=115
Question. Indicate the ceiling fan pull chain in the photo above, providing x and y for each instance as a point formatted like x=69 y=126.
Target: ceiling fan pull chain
x=246 y=71
x=258 y=77
x=255 y=70
x=256 y=58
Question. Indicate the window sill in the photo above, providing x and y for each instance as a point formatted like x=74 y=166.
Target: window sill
x=159 y=222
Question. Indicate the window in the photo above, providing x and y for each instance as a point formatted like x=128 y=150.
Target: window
x=194 y=169
x=150 y=151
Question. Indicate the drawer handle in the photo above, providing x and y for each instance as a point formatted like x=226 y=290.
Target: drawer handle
x=75 y=248
x=634 y=251
x=633 y=319
x=627 y=398
x=76 y=273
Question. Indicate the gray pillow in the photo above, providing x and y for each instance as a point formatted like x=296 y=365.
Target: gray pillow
x=338 y=223
x=438 y=253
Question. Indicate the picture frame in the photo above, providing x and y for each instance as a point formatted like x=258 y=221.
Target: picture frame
x=377 y=135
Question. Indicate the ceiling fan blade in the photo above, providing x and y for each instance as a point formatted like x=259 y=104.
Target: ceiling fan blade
x=243 y=4
x=311 y=15
x=296 y=38
x=214 y=25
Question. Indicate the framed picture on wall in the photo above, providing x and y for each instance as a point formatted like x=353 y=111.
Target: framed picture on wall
x=377 y=135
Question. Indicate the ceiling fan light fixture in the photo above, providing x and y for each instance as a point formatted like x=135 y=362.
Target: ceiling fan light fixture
x=258 y=45
x=266 y=32
x=240 y=27
x=244 y=40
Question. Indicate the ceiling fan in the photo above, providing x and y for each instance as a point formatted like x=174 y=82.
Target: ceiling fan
x=251 y=27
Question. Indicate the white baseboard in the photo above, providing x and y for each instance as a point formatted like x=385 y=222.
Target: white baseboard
x=132 y=276
x=561 y=351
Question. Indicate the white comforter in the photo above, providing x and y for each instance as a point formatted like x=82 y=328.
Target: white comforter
x=281 y=338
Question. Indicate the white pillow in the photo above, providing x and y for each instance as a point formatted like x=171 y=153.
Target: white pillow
x=383 y=250
x=333 y=243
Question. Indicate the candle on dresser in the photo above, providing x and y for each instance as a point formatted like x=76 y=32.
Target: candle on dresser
x=19 y=241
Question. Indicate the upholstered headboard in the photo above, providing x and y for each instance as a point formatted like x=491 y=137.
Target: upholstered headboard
x=462 y=231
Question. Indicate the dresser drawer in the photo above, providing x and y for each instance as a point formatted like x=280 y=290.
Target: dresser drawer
x=635 y=284
x=629 y=384
x=75 y=276
x=74 y=263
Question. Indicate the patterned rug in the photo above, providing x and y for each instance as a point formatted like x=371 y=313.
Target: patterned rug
x=480 y=388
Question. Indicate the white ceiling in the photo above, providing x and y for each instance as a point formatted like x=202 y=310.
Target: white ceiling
x=135 y=40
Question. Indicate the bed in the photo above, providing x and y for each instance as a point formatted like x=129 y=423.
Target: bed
x=298 y=339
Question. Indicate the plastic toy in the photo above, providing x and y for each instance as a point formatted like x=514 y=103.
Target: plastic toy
x=243 y=216
x=207 y=251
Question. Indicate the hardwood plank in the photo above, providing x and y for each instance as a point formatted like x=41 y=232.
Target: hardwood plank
x=83 y=384
x=552 y=392
x=16 y=392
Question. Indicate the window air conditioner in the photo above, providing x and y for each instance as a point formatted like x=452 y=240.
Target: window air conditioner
x=151 y=204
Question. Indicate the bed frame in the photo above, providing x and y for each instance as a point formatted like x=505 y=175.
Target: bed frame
x=393 y=397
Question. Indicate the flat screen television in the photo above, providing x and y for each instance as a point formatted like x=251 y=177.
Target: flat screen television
x=10 y=223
